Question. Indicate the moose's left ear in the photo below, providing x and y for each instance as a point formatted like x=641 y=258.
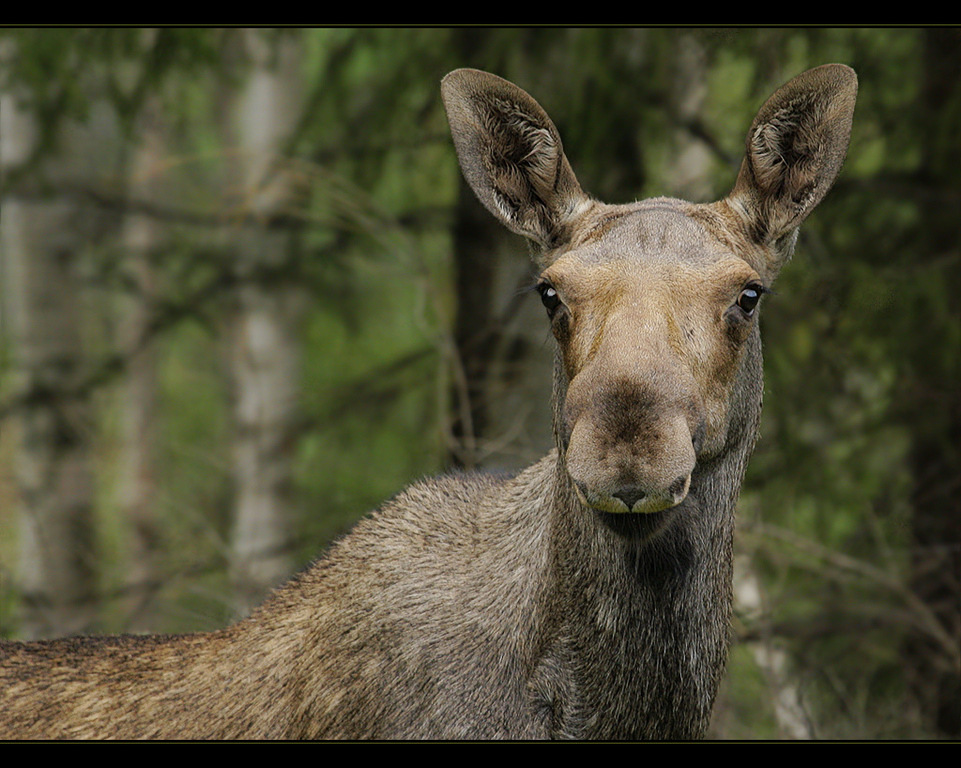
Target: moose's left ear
x=794 y=151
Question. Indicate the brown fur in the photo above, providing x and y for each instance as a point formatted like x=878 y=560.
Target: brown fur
x=590 y=595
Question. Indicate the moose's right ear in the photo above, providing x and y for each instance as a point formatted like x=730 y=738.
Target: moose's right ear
x=511 y=154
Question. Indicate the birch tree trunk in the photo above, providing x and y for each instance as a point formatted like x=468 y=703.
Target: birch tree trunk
x=265 y=352
x=41 y=308
x=687 y=174
x=136 y=487
x=784 y=694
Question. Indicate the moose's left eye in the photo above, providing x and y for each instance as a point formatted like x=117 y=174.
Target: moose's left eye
x=549 y=297
x=750 y=297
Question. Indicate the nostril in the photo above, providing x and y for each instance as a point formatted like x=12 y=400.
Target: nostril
x=679 y=487
x=630 y=496
x=697 y=439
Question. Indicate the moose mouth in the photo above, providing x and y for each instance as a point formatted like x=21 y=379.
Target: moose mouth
x=634 y=500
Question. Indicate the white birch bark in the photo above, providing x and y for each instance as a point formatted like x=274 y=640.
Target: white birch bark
x=41 y=318
x=265 y=352
x=774 y=663
x=136 y=479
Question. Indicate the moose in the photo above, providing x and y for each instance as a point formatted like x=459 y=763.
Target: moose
x=586 y=597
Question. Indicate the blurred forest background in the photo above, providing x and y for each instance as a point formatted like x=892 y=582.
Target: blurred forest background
x=246 y=298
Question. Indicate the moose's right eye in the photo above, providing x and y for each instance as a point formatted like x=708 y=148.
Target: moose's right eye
x=549 y=297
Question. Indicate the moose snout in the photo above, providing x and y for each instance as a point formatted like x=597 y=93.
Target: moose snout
x=642 y=465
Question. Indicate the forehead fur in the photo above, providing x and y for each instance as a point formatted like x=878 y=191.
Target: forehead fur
x=660 y=232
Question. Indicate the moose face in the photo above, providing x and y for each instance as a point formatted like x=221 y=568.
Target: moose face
x=652 y=311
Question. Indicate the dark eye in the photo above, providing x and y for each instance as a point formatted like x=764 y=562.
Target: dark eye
x=549 y=297
x=750 y=297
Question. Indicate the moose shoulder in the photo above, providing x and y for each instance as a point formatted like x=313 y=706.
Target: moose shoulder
x=587 y=597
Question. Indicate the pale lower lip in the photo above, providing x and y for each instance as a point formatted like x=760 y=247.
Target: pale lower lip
x=617 y=507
